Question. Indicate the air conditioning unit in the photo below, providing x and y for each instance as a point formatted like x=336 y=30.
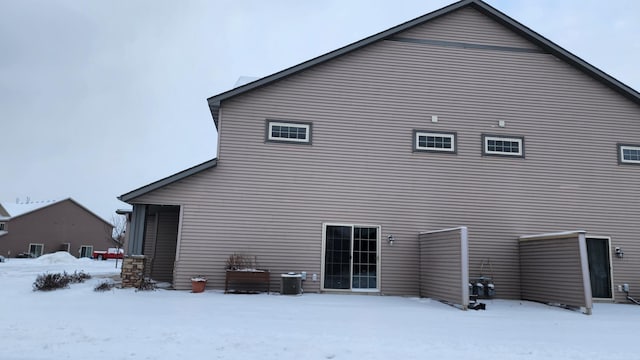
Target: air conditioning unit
x=291 y=284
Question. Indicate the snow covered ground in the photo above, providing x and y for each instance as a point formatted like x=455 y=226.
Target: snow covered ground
x=79 y=323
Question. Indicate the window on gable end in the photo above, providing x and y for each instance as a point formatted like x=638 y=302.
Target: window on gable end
x=424 y=140
x=288 y=131
x=503 y=145
x=629 y=154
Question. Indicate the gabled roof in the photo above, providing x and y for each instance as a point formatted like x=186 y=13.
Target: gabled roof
x=3 y=212
x=168 y=180
x=20 y=209
x=539 y=40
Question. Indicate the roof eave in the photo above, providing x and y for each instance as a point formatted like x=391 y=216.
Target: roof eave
x=168 y=180
x=214 y=107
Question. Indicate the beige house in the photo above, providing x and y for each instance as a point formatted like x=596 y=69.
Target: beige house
x=38 y=228
x=456 y=147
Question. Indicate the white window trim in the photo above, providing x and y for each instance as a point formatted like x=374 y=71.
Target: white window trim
x=503 y=138
x=437 y=134
x=41 y=245
x=288 y=124
x=628 y=147
x=378 y=260
x=86 y=246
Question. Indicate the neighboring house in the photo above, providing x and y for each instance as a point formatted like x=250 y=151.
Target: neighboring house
x=45 y=227
x=460 y=135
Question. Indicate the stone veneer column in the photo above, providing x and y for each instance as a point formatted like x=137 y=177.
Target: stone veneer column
x=133 y=269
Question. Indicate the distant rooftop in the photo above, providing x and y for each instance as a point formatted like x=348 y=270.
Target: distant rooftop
x=20 y=208
x=9 y=210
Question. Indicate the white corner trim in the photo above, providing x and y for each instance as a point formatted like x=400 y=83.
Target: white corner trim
x=586 y=280
x=555 y=234
x=464 y=266
x=443 y=230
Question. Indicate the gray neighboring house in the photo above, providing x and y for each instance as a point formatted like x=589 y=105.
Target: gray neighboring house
x=39 y=228
x=481 y=148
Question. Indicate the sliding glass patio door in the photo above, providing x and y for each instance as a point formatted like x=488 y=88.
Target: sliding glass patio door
x=351 y=260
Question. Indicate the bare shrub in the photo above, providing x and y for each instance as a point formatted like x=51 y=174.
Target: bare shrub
x=104 y=286
x=146 y=285
x=79 y=277
x=241 y=262
x=48 y=282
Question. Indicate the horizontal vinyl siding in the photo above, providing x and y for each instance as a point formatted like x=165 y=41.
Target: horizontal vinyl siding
x=280 y=243
x=150 y=237
x=551 y=271
x=271 y=199
x=149 y=248
x=165 y=246
x=467 y=25
x=441 y=266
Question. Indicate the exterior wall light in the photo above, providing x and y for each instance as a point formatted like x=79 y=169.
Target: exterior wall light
x=390 y=239
x=619 y=252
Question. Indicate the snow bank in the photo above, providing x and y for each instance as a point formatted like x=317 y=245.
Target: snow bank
x=60 y=257
x=168 y=325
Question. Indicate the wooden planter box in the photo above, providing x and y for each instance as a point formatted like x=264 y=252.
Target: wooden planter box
x=252 y=280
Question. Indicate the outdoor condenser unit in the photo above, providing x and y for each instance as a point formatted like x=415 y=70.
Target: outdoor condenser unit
x=291 y=284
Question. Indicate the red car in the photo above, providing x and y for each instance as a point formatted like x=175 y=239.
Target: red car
x=111 y=253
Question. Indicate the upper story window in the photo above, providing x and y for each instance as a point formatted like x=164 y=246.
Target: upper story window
x=629 y=154
x=296 y=132
x=434 y=141
x=503 y=145
x=3 y=226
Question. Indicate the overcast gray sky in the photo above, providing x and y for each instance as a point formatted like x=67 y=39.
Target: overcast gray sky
x=98 y=98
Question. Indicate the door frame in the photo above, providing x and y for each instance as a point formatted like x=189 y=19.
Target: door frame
x=41 y=249
x=608 y=238
x=378 y=258
x=90 y=252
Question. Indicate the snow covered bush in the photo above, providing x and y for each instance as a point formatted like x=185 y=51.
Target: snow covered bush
x=79 y=277
x=47 y=282
x=104 y=286
x=146 y=284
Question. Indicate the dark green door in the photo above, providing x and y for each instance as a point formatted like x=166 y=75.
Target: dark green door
x=599 y=267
